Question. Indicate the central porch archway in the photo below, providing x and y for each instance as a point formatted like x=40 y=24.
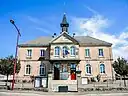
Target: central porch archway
x=64 y=69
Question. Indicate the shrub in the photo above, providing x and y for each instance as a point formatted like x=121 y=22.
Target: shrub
x=93 y=79
x=98 y=77
x=104 y=80
x=24 y=81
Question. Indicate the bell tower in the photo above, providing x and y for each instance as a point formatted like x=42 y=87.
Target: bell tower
x=64 y=25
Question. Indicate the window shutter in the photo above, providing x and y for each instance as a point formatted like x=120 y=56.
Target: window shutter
x=77 y=51
x=25 y=70
x=44 y=52
x=30 y=69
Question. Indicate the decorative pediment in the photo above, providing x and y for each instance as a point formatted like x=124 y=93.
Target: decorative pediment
x=64 y=38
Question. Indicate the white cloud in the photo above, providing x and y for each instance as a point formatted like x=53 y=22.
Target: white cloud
x=95 y=26
x=124 y=34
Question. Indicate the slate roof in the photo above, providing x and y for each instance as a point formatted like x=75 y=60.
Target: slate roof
x=83 y=40
x=87 y=40
x=64 y=21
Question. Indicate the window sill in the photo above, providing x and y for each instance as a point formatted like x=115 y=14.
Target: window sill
x=72 y=55
x=27 y=75
x=28 y=57
x=56 y=56
x=87 y=57
x=42 y=75
x=42 y=56
x=101 y=56
x=102 y=73
x=88 y=74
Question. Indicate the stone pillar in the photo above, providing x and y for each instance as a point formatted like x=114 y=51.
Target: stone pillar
x=49 y=80
x=79 y=81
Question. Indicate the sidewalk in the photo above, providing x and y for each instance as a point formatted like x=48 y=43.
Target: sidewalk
x=62 y=93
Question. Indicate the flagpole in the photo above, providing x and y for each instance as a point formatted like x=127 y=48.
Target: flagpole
x=14 y=68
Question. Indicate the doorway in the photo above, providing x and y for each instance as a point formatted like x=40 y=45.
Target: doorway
x=56 y=73
x=73 y=71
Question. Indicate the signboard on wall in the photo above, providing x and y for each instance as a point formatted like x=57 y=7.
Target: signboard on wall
x=44 y=81
x=84 y=81
x=64 y=75
x=37 y=82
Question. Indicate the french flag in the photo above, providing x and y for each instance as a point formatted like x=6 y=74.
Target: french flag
x=65 y=53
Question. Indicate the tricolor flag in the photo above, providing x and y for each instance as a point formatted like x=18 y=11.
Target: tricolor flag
x=65 y=53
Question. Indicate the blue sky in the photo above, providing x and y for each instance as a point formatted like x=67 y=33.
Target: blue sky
x=103 y=19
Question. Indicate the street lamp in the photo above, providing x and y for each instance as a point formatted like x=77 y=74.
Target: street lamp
x=14 y=69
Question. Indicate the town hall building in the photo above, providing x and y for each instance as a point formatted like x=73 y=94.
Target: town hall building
x=65 y=60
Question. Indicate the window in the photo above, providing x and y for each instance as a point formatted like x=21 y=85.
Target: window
x=28 y=70
x=87 y=52
x=42 y=52
x=29 y=52
x=42 y=69
x=64 y=67
x=57 y=65
x=57 y=51
x=73 y=65
x=101 y=52
x=102 y=68
x=73 y=51
x=65 y=50
x=88 y=69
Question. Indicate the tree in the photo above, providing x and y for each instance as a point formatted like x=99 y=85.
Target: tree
x=7 y=65
x=121 y=67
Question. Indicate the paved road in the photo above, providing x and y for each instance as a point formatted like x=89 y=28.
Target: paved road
x=10 y=93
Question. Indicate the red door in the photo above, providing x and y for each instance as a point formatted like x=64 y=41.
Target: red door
x=73 y=76
x=73 y=71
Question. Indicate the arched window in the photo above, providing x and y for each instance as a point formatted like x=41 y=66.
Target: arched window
x=88 y=69
x=42 y=69
x=64 y=50
x=28 y=69
x=57 y=51
x=102 y=68
x=72 y=49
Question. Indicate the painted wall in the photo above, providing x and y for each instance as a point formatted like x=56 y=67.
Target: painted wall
x=35 y=64
x=94 y=60
x=22 y=52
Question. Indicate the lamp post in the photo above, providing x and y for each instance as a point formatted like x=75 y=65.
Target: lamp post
x=15 y=61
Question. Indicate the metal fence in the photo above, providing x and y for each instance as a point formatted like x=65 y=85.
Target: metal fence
x=106 y=82
x=27 y=82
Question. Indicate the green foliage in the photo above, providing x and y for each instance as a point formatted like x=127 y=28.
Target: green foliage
x=7 y=65
x=98 y=77
x=93 y=79
x=121 y=67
